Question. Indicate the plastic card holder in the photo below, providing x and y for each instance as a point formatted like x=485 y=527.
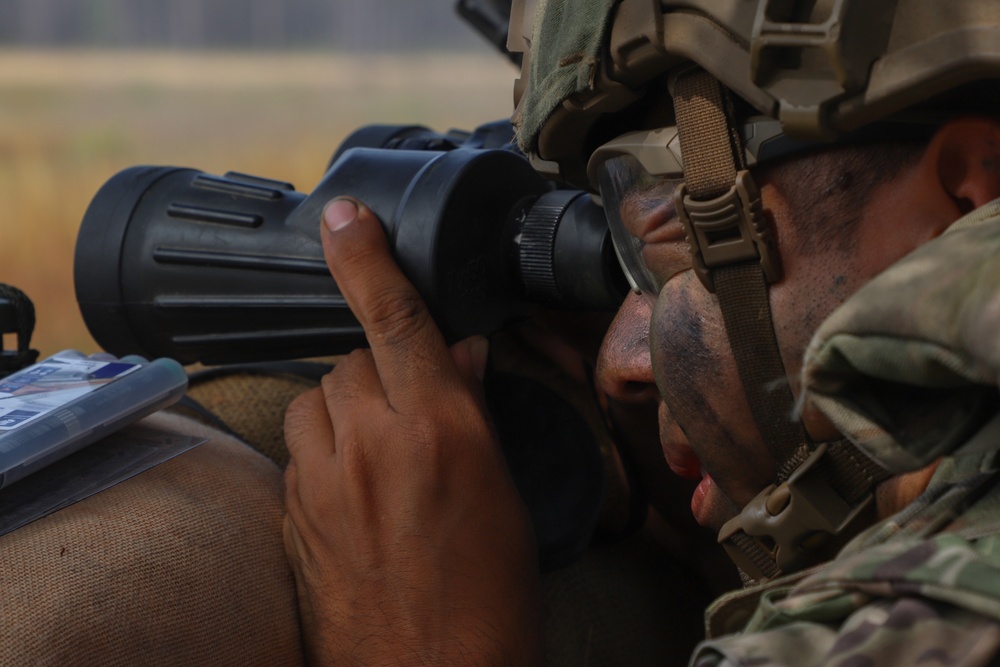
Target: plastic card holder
x=69 y=400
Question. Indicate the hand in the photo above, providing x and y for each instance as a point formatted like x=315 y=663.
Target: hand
x=407 y=537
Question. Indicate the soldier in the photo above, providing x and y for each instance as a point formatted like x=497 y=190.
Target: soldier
x=804 y=196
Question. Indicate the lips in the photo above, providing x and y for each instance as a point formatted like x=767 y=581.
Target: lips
x=676 y=450
x=682 y=460
x=701 y=503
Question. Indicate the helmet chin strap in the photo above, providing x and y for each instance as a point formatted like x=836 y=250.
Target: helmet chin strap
x=824 y=493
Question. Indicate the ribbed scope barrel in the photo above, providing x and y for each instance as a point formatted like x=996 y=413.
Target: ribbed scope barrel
x=219 y=269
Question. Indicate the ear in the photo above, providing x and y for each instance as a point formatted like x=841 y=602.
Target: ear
x=965 y=153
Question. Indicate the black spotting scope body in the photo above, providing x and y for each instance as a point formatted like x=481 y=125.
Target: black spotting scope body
x=178 y=263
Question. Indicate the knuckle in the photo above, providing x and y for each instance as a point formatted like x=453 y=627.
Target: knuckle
x=300 y=418
x=347 y=367
x=396 y=315
x=345 y=389
x=299 y=408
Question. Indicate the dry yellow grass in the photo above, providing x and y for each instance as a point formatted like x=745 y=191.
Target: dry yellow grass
x=71 y=120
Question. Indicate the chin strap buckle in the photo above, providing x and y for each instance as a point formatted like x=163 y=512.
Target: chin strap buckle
x=728 y=229
x=789 y=524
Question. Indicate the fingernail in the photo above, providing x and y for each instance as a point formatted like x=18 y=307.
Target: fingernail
x=339 y=213
x=479 y=351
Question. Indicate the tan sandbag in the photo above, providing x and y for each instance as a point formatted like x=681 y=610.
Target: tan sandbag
x=253 y=406
x=182 y=565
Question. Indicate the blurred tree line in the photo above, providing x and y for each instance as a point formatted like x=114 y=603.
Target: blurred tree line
x=349 y=25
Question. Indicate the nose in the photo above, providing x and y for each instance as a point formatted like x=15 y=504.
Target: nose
x=624 y=369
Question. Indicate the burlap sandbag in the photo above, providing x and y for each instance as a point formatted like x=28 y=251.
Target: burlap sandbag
x=182 y=565
x=252 y=405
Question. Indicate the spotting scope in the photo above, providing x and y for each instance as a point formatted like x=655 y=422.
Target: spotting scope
x=179 y=263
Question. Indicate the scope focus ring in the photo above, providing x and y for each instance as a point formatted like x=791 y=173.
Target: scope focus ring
x=537 y=247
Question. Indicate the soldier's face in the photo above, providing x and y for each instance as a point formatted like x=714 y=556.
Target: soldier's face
x=706 y=430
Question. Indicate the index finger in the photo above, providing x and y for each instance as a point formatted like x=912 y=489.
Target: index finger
x=406 y=343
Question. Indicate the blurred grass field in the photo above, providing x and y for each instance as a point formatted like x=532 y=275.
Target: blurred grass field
x=70 y=120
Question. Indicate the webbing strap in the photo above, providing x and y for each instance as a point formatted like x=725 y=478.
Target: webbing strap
x=760 y=558
x=709 y=171
x=709 y=162
x=837 y=481
x=746 y=312
x=850 y=473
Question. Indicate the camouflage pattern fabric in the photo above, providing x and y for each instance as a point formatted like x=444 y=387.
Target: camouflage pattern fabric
x=566 y=45
x=920 y=588
x=905 y=367
x=908 y=368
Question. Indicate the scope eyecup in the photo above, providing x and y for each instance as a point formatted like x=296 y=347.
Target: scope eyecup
x=567 y=259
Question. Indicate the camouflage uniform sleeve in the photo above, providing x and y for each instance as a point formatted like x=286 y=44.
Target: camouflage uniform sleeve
x=896 y=596
x=902 y=631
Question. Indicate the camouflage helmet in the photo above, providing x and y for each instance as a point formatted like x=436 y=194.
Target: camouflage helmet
x=822 y=67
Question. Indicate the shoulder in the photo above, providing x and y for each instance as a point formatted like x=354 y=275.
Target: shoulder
x=922 y=585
